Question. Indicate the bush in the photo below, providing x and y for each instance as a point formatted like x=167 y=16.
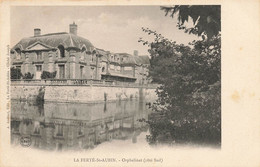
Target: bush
x=48 y=75
x=28 y=75
x=16 y=73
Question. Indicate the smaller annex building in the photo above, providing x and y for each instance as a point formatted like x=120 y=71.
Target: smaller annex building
x=74 y=57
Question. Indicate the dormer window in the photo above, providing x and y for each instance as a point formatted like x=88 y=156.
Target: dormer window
x=18 y=53
x=27 y=57
x=83 y=53
x=61 y=51
x=93 y=58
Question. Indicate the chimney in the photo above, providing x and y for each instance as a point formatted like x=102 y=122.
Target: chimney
x=37 y=32
x=135 y=52
x=73 y=28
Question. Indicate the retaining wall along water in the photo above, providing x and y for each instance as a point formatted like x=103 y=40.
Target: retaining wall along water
x=80 y=94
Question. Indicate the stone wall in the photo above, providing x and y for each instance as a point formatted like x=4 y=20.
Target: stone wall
x=82 y=94
x=25 y=92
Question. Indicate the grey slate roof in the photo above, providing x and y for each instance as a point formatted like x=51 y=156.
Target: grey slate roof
x=142 y=60
x=54 y=40
x=134 y=60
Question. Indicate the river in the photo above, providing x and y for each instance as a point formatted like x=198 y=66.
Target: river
x=71 y=126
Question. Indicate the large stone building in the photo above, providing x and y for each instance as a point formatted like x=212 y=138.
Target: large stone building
x=74 y=57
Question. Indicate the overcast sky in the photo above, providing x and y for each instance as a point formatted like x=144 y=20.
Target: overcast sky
x=112 y=28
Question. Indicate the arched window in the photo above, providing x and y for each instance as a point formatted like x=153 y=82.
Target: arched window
x=83 y=50
x=18 y=53
x=103 y=69
x=61 y=51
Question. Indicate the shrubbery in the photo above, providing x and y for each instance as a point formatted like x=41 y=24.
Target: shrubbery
x=28 y=75
x=16 y=73
x=48 y=75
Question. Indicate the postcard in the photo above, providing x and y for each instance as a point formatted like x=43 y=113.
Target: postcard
x=130 y=83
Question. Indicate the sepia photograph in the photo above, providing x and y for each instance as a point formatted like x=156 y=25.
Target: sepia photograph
x=135 y=73
x=120 y=85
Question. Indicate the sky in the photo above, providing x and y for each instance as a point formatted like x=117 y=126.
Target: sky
x=112 y=28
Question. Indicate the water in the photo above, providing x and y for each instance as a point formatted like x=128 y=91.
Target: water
x=69 y=126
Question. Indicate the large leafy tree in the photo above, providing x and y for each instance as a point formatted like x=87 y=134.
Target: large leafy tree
x=206 y=19
x=188 y=105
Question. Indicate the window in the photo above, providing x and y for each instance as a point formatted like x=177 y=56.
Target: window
x=18 y=67
x=92 y=73
x=80 y=131
x=92 y=57
x=103 y=69
x=112 y=66
x=81 y=71
x=36 y=130
x=83 y=53
x=38 y=67
x=39 y=55
x=128 y=68
x=82 y=57
x=18 y=53
x=61 y=71
x=59 y=130
x=27 y=57
x=61 y=51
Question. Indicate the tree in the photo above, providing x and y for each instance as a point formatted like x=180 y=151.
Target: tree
x=188 y=102
x=206 y=18
x=188 y=108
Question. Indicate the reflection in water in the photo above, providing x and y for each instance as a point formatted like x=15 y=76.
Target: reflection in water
x=65 y=126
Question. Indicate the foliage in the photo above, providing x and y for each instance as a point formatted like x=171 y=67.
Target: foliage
x=48 y=75
x=16 y=73
x=188 y=105
x=206 y=18
x=28 y=76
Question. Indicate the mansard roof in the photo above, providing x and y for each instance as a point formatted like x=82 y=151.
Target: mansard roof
x=54 y=40
x=130 y=60
x=144 y=59
x=134 y=60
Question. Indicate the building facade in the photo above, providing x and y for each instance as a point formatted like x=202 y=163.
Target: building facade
x=74 y=57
